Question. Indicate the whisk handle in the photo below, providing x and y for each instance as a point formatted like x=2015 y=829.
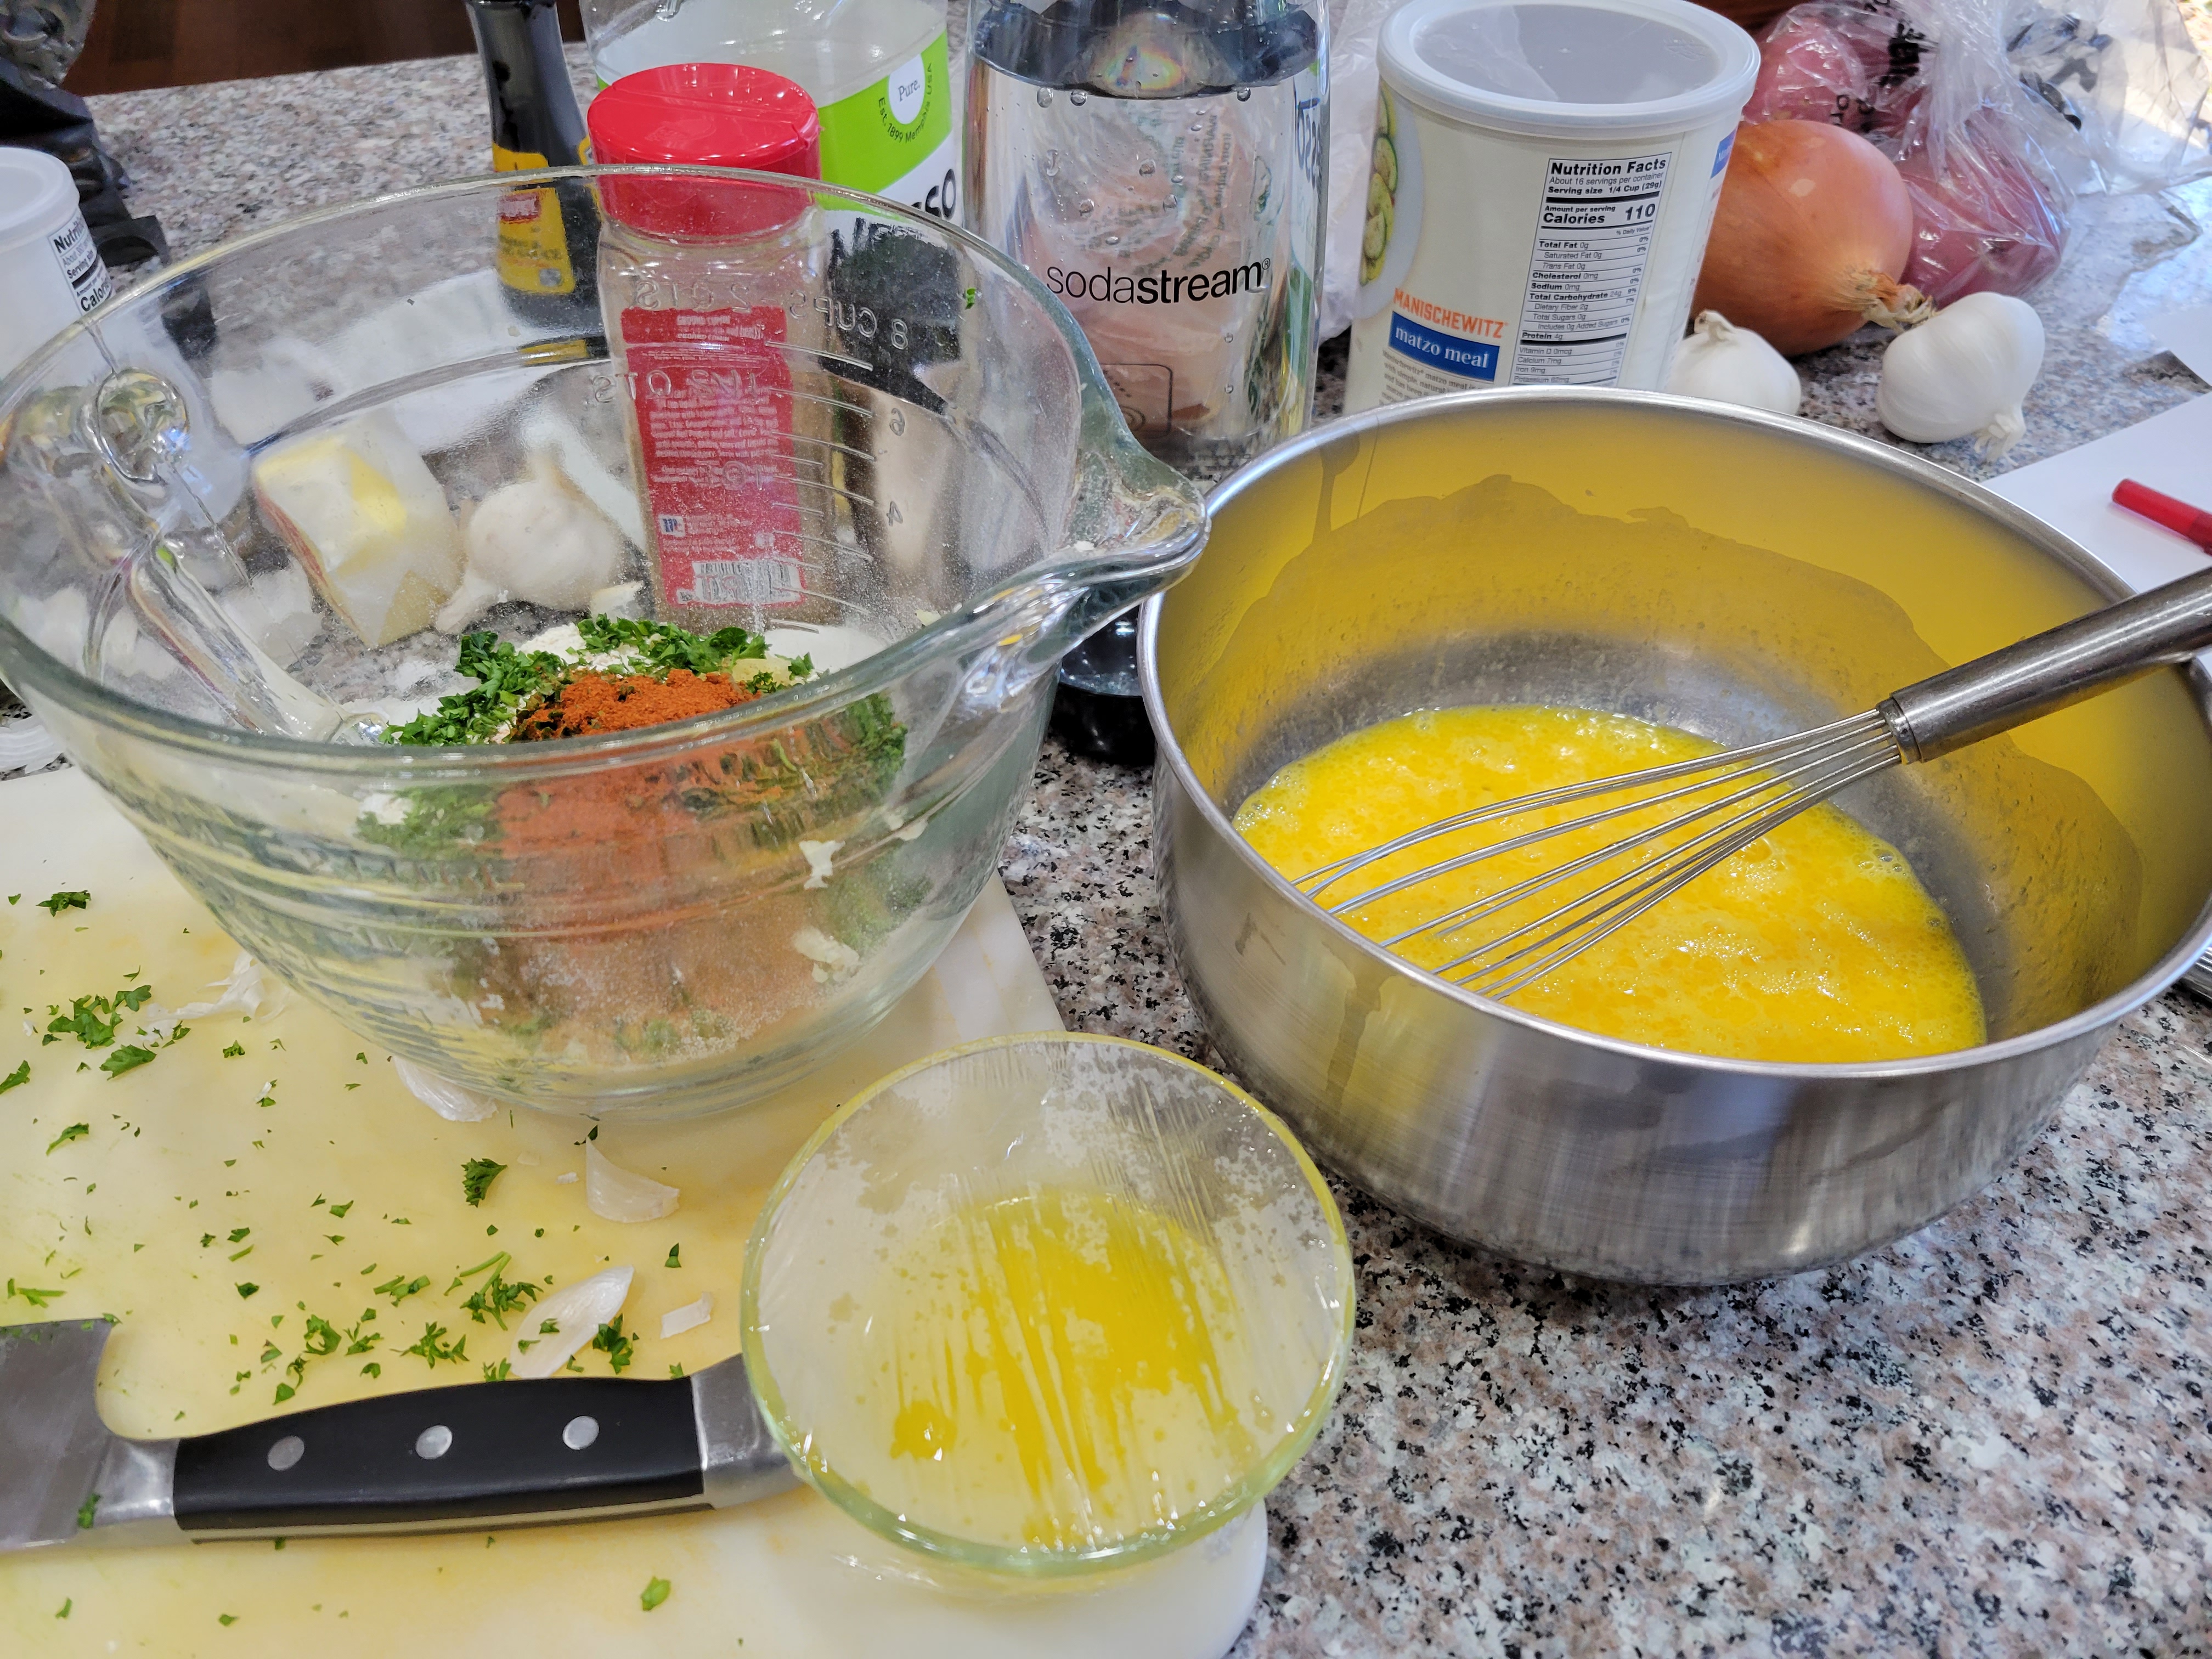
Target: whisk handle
x=2075 y=660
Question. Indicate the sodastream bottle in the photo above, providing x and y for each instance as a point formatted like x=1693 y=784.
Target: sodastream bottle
x=1159 y=164
x=877 y=69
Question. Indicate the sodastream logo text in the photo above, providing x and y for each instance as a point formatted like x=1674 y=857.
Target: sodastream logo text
x=1159 y=288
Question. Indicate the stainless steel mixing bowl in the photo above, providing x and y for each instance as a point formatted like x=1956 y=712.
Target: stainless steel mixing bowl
x=1736 y=574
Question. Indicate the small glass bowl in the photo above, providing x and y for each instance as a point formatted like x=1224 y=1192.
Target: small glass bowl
x=1023 y=1119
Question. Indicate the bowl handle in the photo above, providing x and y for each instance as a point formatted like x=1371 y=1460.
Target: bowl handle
x=131 y=433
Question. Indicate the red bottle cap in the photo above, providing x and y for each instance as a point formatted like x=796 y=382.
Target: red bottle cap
x=721 y=115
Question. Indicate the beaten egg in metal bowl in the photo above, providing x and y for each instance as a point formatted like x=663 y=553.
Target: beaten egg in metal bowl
x=1734 y=576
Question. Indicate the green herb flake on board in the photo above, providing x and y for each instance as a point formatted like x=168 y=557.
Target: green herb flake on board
x=128 y=1058
x=16 y=1078
x=431 y=1350
x=476 y=1176
x=620 y=1350
x=655 y=1592
x=54 y=904
x=75 y=1131
x=400 y=1287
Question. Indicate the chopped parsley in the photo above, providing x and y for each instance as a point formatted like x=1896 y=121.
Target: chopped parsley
x=655 y=647
x=16 y=1078
x=498 y=1373
x=339 y=1210
x=400 y=1287
x=54 y=904
x=620 y=1350
x=128 y=1058
x=476 y=1176
x=510 y=682
x=496 y=1297
x=655 y=1592
x=246 y=1289
x=432 y=1350
x=672 y=1251
x=93 y=1020
x=75 y=1131
x=234 y=1051
x=84 y=1512
x=507 y=681
x=30 y=1293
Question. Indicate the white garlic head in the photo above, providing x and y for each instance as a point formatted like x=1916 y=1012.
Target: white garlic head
x=1963 y=374
x=1732 y=365
x=535 y=540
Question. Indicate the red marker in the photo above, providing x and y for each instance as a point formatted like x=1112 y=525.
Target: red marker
x=2177 y=516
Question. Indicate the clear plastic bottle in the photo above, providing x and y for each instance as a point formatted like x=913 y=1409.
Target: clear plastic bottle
x=1159 y=164
x=700 y=280
x=877 y=69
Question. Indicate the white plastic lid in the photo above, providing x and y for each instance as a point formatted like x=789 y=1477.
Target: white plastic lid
x=1570 y=68
x=35 y=192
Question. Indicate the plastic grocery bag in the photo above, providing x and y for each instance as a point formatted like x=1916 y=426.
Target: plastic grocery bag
x=2125 y=74
x=1996 y=111
x=1354 y=28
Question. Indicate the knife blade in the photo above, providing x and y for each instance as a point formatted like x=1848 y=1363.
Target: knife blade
x=427 y=1460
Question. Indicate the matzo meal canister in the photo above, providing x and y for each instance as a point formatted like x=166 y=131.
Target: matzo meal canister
x=1544 y=177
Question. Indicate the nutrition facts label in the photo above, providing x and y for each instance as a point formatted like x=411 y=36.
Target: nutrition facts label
x=1593 y=239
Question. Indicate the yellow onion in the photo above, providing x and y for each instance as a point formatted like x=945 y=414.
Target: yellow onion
x=1813 y=230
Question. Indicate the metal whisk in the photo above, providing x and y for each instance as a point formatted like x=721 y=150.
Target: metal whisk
x=1730 y=799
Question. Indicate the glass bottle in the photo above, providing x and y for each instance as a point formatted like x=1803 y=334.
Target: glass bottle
x=708 y=287
x=547 y=235
x=876 y=70
x=1160 y=165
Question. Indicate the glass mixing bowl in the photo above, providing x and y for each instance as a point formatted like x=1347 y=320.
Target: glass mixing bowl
x=1043 y=1304
x=240 y=500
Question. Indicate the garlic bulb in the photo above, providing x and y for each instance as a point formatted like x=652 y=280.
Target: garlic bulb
x=536 y=540
x=1732 y=365
x=1963 y=374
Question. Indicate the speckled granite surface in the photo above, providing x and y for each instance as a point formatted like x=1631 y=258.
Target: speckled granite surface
x=1991 y=1438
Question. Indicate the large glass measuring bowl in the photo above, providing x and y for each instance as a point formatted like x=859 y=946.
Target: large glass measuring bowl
x=250 y=507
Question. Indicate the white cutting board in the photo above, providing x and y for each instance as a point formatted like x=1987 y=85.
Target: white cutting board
x=2072 y=491
x=182 y=1147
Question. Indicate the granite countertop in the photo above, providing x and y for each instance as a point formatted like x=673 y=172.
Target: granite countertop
x=1991 y=1437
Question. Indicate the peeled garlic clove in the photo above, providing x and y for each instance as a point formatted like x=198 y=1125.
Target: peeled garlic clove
x=575 y=1312
x=614 y=1193
x=1732 y=365
x=1963 y=374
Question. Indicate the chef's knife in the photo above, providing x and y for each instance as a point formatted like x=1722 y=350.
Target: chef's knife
x=462 y=1458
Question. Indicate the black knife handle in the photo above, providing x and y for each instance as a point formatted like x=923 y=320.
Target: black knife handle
x=508 y=1451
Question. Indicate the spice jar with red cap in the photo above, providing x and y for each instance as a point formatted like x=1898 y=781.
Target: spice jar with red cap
x=708 y=286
